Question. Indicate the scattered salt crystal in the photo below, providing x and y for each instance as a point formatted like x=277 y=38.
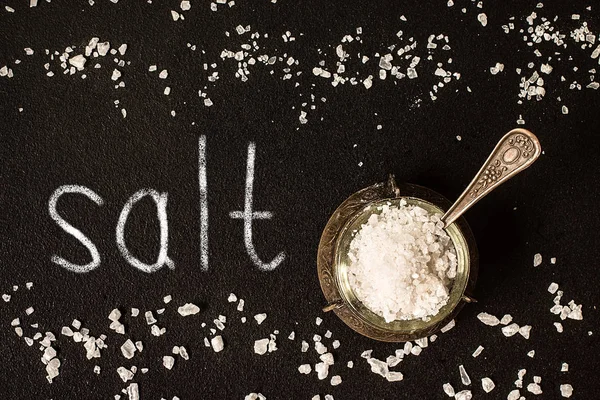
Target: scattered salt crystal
x=167 y=299
x=240 y=306
x=128 y=349
x=185 y=5
x=488 y=319
x=29 y=285
x=448 y=326
x=327 y=358
x=103 y=48
x=416 y=350
x=29 y=311
x=168 y=362
x=394 y=376
x=482 y=18
x=135 y=312
x=553 y=288
x=77 y=61
x=531 y=353
x=537 y=259
x=318 y=321
x=510 y=330
x=15 y=322
x=183 y=353
x=97 y=369
x=335 y=344
x=514 y=395
x=553 y=260
x=260 y=318
x=163 y=74
x=255 y=396
x=497 y=68
x=125 y=374
x=378 y=367
x=320 y=347
x=6 y=297
x=534 y=388
x=304 y=347
x=292 y=335
x=49 y=353
x=477 y=351
x=133 y=391
x=463 y=395
x=525 y=330
x=188 y=309
x=566 y=390
x=217 y=343
x=546 y=68
x=448 y=389
x=565 y=109
x=336 y=380
x=114 y=315
x=464 y=377
x=487 y=384
x=576 y=314
x=150 y=318
x=350 y=364
x=392 y=361
x=52 y=369
x=506 y=319
x=232 y=298
x=261 y=346
x=322 y=370
x=564 y=367
x=305 y=369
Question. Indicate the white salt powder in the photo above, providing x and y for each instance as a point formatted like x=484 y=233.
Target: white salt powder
x=402 y=263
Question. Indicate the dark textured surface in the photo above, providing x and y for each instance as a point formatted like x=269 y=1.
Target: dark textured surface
x=70 y=133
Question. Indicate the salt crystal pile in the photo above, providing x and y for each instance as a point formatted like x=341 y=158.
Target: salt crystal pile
x=402 y=263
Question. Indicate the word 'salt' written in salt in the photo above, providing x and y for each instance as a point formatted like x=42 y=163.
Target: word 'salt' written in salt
x=247 y=215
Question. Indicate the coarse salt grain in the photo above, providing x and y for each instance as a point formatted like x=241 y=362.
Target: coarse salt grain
x=487 y=384
x=566 y=390
x=260 y=318
x=402 y=263
x=463 y=395
x=448 y=389
x=488 y=319
x=217 y=343
x=510 y=330
x=188 y=309
x=464 y=377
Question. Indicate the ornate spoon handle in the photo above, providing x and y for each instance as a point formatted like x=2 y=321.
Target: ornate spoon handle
x=516 y=151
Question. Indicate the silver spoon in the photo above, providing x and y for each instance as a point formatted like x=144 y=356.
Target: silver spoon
x=516 y=151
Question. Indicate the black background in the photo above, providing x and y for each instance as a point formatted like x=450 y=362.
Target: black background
x=71 y=133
